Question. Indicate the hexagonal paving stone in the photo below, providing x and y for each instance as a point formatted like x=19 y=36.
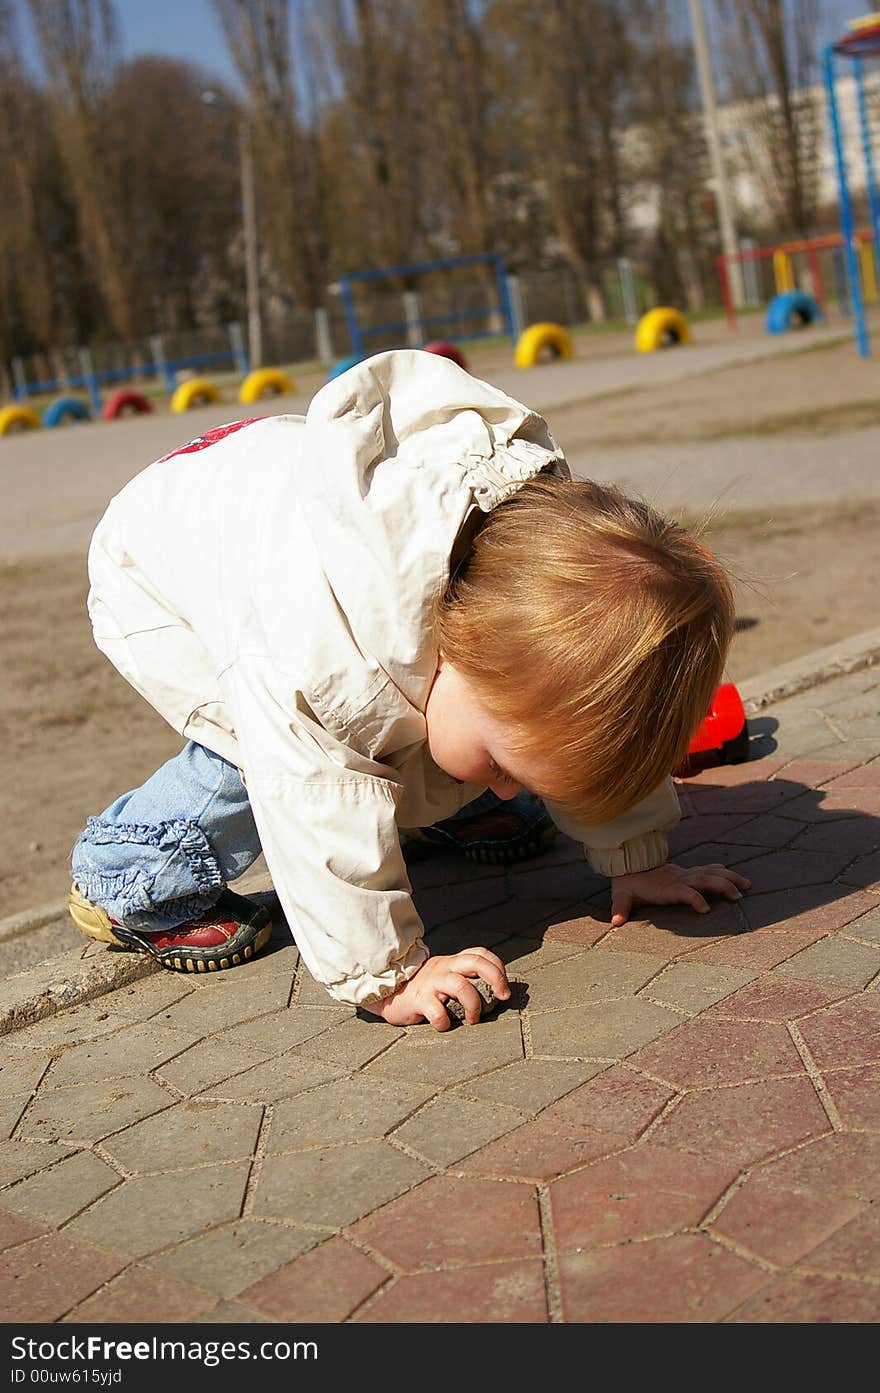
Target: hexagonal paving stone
x=529 y=1084
x=21 y=1071
x=619 y=1100
x=776 y=997
x=542 y=1149
x=140 y=1296
x=601 y=1030
x=591 y=976
x=746 y=1122
x=135 y=1050
x=334 y=1185
x=495 y=1293
x=189 y=1134
x=282 y=1030
x=351 y=1042
x=148 y=1213
x=326 y=1285
x=834 y=959
x=18 y=1158
x=92 y=1111
x=845 y=1163
x=692 y=987
x=15 y=1230
x=781 y=1225
x=685 y=1278
x=455 y=1219
x=223 y=1000
x=450 y=1057
x=701 y=1053
x=848 y=1033
x=348 y=1109
x=855 y=1093
x=853 y=1250
x=53 y=1196
x=274 y=1079
x=451 y=1127
x=795 y=1299
x=197 y=1069
x=45 y=1278
x=228 y=1259
x=645 y=1192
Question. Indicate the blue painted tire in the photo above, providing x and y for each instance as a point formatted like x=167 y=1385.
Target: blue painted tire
x=342 y=366
x=793 y=306
x=64 y=409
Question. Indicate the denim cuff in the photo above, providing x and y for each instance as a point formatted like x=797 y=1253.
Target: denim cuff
x=146 y=876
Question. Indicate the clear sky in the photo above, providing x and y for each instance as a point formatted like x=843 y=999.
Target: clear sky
x=189 y=29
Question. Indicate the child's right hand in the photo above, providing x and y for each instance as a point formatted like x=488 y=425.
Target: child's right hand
x=421 y=998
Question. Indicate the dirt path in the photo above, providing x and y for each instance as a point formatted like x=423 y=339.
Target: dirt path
x=76 y=735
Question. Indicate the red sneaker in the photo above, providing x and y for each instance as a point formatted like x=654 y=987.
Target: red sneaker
x=228 y=934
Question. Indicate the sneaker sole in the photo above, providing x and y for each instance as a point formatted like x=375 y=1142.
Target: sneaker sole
x=492 y=853
x=91 y=920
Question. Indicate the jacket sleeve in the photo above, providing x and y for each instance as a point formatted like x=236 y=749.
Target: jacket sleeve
x=326 y=817
x=636 y=841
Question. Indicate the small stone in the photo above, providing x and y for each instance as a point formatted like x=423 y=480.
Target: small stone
x=455 y=1008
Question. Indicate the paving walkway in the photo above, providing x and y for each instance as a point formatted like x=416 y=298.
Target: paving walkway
x=676 y=1121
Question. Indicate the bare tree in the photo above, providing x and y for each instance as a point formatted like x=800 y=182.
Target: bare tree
x=668 y=154
x=577 y=56
x=77 y=41
x=260 y=41
x=178 y=198
x=460 y=156
x=372 y=132
x=770 y=58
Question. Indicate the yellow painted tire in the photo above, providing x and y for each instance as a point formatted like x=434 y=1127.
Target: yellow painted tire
x=265 y=382
x=660 y=328
x=18 y=418
x=533 y=344
x=197 y=392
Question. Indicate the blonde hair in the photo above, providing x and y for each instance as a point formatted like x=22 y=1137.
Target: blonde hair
x=596 y=631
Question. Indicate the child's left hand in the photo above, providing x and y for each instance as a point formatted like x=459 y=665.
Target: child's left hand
x=671 y=884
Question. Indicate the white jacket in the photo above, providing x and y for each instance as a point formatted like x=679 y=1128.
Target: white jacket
x=269 y=589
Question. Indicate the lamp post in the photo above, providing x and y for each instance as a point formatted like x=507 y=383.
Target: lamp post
x=713 y=139
x=249 y=228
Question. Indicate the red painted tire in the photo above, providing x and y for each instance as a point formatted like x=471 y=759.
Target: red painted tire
x=447 y=350
x=124 y=402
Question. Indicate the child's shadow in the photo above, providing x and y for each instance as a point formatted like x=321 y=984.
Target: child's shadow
x=812 y=855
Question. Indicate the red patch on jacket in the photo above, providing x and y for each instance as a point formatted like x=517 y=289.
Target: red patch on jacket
x=211 y=437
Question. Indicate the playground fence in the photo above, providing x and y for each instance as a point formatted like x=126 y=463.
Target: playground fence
x=461 y=306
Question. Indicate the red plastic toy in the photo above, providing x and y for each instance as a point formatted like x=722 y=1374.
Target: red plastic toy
x=723 y=733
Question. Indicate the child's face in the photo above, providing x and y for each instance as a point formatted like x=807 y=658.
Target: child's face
x=465 y=741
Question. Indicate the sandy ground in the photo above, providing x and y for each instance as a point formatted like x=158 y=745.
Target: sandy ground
x=808 y=574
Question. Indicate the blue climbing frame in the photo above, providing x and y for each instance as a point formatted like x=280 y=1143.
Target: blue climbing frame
x=427 y=324
x=862 y=42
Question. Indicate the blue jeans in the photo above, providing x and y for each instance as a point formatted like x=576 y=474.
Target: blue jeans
x=164 y=852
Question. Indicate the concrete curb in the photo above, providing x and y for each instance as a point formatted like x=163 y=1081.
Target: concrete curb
x=82 y=975
x=30 y=919
x=822 y=665
x=68 y=980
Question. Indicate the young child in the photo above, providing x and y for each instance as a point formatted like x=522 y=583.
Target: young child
x=362 y=620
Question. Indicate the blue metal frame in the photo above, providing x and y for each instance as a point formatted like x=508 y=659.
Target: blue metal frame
x=358 y=333
x=853 y=49
x=92 y=381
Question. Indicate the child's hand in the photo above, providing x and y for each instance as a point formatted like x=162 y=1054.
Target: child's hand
x=421 y=998
x=673 y=885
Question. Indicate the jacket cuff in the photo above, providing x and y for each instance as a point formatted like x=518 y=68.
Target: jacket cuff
x=638 y=854
x=363 y=988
